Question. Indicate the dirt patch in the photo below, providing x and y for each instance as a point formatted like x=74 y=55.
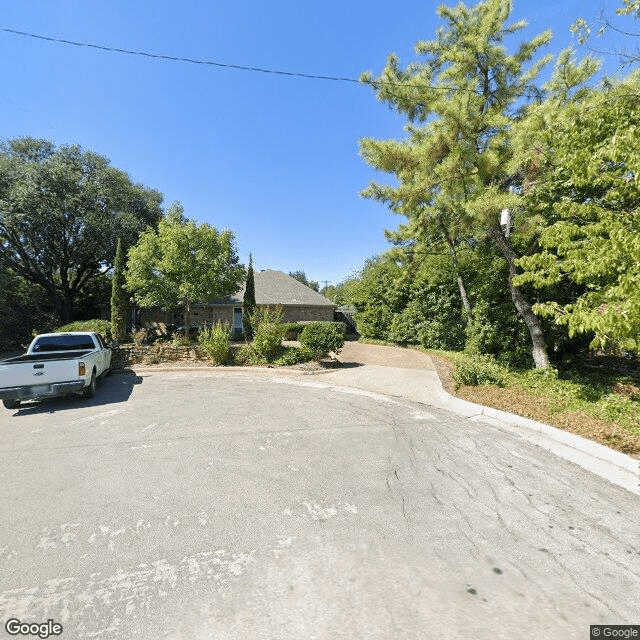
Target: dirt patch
x=627 y=389
x=361 y=353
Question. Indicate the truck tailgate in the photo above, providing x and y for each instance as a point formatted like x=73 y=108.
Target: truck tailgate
x=41 y=373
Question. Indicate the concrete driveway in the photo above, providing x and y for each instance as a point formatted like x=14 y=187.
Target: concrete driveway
x=206 y=505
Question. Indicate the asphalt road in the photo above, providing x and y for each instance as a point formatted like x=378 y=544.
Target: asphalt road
x=194 y=505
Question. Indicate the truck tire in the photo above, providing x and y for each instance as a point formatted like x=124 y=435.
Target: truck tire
x=11 y=404
x=90 y=391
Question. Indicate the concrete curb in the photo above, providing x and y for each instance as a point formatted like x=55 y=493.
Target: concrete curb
x=264 y=370
x=471 y=409
x=573 y=440
x=612 y=465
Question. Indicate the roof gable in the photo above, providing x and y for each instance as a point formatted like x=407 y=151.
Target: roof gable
x=275 y=287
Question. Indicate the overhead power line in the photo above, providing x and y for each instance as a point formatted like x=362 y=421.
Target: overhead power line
x=159 y=56
x=224 y=65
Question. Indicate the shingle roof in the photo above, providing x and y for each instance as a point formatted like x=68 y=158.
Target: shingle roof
x=276 y=287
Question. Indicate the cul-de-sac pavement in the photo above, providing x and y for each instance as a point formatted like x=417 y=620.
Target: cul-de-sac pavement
x=211 y=504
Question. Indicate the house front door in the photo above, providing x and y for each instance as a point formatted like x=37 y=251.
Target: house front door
x=237 y=320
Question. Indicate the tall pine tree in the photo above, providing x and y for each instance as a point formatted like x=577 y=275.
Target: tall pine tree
x=460 y=101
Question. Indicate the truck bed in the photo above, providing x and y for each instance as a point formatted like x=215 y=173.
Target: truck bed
x=43 y=357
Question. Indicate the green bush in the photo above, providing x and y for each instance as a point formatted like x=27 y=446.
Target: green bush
x=499 y=331
x=322 y=337
x=103 y=327
x=477 y=370
x=293 y=329
x=216 y=342
x=340 y=325
x=246 y=354
x=268 y=332
x=406 y=327
x=294 y=355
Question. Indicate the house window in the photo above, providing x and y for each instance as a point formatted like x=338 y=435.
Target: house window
x=237 y=320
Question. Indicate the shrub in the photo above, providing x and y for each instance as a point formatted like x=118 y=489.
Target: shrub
x=499 y=331
x=294 y=355
x=246 y=354
x=103 y=327
x=478 y=370
x=268 y=332
x=406 y=327
x=216 y=342
x=293 y=329
x=322 y=337
x=180 y=340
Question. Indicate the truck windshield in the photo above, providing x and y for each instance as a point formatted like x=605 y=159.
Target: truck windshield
x=62 y=343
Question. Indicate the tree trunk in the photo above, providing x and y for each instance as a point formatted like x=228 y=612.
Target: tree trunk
x=65 y=309
x=187 y=317
x=539 y=348
x=454 y=259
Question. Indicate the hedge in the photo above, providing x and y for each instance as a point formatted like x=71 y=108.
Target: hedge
x=103 y=327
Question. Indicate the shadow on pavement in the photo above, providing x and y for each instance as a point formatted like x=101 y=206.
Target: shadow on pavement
x=113 y=389
x=349 y=365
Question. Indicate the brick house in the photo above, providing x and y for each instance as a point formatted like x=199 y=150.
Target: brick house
x=273 y=289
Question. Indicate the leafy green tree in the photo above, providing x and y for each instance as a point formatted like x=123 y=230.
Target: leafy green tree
x=432 y=316
x=460 y=102
x=329 y=291
x=339 y=293
x=583 y=30
x=118 y=297
x=249 y=300
x=588 y=197
x=378 y=295
x=24 y=308
x=182 y=263
x=345 y=291
x=89 y=304
x=61 y=213
x=300 y=276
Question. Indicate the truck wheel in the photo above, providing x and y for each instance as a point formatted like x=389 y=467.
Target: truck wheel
x=90 y=391
x=11 y=404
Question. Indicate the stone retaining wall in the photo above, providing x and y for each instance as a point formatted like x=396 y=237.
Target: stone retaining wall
x=129 y=354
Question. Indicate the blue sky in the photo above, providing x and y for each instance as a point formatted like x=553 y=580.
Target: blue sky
x=274 y=158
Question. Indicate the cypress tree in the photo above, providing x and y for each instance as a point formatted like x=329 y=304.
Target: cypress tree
x=249 y=300
x=118 y=296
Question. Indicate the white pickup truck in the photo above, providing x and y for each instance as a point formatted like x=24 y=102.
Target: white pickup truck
x=55 y=364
